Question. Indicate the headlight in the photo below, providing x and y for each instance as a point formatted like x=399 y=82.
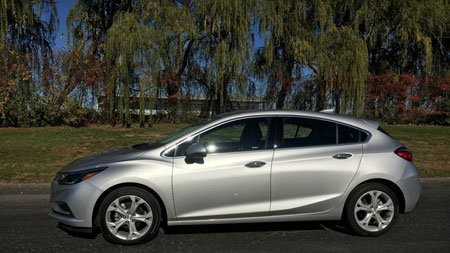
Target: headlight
x=65 y=178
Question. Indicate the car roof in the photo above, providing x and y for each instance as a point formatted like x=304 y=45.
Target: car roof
x=357 y=122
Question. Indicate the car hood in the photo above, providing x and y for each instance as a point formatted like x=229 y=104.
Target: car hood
x=104 y=157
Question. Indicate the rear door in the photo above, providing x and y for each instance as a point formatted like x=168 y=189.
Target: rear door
x=313 y=164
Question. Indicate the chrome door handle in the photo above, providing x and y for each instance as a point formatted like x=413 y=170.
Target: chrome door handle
x=342 y=156
x=255 y=164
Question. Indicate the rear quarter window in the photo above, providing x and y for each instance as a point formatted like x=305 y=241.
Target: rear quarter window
x=348 y=134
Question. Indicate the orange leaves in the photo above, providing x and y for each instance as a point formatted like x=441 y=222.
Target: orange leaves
x=392 y=96
x=13 y=71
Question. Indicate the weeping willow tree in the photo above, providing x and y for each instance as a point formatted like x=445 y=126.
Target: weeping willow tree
x=399 y=34
x=24 y=27
x=301 y=38
x=287 y=46
x=88 y=23
x=164 y=37
x=225 y=48
x=174 y=35
x=384 y=36
x=338 y=42
x=26 y=37
x=125 y=53
x=151 y=44
x=178 y=46
x=340 y=66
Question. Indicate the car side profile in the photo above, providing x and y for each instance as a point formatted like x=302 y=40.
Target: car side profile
x=245 y=167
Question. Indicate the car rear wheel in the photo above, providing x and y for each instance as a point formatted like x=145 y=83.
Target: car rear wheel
x=129 y=215
x=371 y=209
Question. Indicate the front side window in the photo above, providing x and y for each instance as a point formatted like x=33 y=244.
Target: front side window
x=240 y=135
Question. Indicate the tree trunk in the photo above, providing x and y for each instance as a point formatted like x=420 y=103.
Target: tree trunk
x=222 y=98
x=320 y=104
x=337 y=99
x=173 y=96
x=141 y=103
x=286 y=83
x=208 y=103
x=285 y=86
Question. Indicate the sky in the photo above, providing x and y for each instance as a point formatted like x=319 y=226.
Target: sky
x=63 y=9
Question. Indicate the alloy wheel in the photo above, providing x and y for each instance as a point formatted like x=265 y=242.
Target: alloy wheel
x=374 y=211
x=129 y=217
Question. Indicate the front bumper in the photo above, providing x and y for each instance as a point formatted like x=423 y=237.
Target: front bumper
x=73 y=205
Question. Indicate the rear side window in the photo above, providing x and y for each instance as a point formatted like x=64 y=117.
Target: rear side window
x=304 y=132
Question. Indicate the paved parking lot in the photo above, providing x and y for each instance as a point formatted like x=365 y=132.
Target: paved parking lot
x=25 y=227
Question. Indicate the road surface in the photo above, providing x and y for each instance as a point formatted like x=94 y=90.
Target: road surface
x=25 y=227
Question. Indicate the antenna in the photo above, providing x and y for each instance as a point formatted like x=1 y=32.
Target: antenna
x=331 y=110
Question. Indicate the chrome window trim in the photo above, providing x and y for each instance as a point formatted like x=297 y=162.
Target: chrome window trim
x=369 y=134
x=231 y=153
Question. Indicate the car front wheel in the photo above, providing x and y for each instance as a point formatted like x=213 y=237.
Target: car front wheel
x=129 y=215
x=371 y=209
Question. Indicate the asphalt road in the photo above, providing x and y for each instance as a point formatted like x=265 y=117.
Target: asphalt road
x=25 y=227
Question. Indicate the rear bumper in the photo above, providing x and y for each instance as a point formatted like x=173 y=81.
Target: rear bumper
x=411 y=187
x=73 y=205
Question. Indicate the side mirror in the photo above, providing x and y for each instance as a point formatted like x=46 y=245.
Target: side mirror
x=196 y=151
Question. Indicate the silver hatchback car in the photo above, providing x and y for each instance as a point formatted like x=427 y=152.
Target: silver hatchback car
x=260 y=166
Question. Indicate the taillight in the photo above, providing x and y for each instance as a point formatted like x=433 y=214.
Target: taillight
x=404 y=153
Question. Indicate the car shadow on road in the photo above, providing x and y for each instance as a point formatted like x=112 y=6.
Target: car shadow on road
x=255 y=227
x=233 y=228
x=85 y=235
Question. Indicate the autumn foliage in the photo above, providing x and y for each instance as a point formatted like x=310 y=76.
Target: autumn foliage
x=130 y=61
x=406 y=98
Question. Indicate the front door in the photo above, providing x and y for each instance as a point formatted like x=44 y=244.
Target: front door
x=233 y=180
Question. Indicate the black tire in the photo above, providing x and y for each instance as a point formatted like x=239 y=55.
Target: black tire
x=141 y=193
x=349 y=209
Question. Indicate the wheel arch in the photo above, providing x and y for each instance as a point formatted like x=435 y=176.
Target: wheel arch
x=117 y=186
x=394 y=187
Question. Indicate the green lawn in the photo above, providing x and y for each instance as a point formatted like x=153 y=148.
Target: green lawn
x=36 y=154
x=430 y=146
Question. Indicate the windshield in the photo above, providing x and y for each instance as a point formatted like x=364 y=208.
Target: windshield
x=175 y=135
x=183 y=131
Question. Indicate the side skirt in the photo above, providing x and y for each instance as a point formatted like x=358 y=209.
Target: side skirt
x=278 y=218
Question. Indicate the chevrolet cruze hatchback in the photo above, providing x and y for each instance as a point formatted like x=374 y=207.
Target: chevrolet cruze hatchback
x=241 y=168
